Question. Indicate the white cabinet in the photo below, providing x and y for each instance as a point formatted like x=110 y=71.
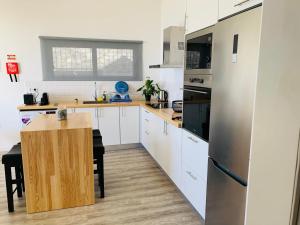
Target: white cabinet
x=195 y=153
x=194 y=188
x=109 y=125
x=145 y=129
x=194 y=170
x=201 y=14
x=163 y=142
x=93 y=112
x=229 y=7
x=129 y=124
x=170 y=152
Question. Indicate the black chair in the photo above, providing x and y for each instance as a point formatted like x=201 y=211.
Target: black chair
x=98 y=152
x=13 y=159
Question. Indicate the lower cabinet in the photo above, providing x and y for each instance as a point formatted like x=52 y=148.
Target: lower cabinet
x=163 y=142
x=129 y=124
x=194 y=170
x=169 y=152
x=109 y=125
x=194 y=188
x=118 y=125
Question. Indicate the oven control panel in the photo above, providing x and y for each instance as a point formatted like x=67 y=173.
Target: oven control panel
x=198 y=80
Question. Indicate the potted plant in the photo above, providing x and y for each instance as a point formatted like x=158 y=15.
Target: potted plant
x=149 y=89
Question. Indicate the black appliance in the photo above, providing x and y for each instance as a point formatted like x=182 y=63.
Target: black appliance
x=44 y=99
x=198 y=54
x=29 y=99
x=196 y=110
x=177 y=106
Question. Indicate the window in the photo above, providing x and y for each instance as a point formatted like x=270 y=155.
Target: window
x=69 y=59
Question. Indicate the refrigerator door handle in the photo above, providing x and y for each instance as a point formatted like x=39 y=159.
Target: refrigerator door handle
x=229 y=173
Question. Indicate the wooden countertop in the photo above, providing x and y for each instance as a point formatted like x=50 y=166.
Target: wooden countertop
x=165 y=114
x=50 y=122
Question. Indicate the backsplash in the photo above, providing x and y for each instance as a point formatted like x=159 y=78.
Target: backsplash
x=169 y=79
x=68 y=91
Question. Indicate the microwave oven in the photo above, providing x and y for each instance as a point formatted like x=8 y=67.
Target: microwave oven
x=198 y=52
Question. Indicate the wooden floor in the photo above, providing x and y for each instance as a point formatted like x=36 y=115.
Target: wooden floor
x=137 y=193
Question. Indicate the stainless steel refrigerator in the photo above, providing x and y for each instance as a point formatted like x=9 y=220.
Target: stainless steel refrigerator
x=235 y=66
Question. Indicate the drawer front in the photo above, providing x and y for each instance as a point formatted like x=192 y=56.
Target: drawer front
x=195 y=153
x=146 y=114
x=194 y=189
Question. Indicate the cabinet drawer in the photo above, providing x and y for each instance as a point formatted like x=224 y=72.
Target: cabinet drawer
x=194 y=189
x=146 y=114
x=195 y=153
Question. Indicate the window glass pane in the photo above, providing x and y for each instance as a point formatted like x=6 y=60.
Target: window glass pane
x=115 y=62
x=72 y=60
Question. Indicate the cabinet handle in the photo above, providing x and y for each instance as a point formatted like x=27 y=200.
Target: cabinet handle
x=146 y=111
x=240 y=3
x=166 y=132
x=191 y=175
x=146 y=120
x=146 y=132
x=193 y=140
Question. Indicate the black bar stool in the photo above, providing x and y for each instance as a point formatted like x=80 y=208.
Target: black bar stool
x=13 y=159
x=98 y=152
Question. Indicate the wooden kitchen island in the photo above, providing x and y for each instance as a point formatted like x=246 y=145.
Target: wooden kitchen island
x=58 y=162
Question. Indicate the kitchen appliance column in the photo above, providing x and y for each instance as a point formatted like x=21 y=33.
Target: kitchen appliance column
x=235 y=63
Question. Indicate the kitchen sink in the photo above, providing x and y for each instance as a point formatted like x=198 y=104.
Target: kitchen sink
x=94 y=102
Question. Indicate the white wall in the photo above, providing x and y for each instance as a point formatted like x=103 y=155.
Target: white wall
x=173 y=13
x=277 y=116
x=22 y=22
x=170 y=79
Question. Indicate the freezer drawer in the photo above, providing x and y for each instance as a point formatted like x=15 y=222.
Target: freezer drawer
x=226 y=198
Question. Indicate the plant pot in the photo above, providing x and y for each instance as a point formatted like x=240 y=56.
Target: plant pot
x=148 y=98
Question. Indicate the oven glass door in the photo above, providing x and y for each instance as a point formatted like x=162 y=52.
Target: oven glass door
x=196 y=111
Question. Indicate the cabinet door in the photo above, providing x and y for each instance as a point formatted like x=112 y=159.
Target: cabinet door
x=194 y=188
x=156 y=136
x=229 y=7
x=129 y=124
x=93 y=112
x=171 y=153
x=195 y=153
x=201 y=14
x=145 y=124
x=109 y=125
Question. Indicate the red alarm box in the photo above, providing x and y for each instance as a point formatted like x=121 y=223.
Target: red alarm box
x=12 y=68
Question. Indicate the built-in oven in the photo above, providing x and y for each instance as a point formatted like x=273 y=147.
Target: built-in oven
x=198 y=53
x=196 y=110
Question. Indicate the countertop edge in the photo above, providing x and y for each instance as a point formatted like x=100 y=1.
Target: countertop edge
x=159 y=112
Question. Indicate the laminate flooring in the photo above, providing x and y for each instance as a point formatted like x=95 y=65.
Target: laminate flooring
x=137 y=193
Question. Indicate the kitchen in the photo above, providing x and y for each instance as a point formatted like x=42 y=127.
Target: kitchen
x=254 y=103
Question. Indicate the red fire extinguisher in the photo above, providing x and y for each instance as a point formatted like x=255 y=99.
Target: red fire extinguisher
x=12 y=67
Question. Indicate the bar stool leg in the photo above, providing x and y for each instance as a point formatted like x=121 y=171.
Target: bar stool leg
x=9 y=188
x=19 y=181
x=101 y=176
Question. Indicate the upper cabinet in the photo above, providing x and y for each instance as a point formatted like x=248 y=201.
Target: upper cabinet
x=201 y=14
x=229 y=7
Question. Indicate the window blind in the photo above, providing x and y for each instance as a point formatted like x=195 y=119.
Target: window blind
x=71 y=59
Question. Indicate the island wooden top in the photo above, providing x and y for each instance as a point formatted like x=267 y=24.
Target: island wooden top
x=50 y=122
x=165 y=114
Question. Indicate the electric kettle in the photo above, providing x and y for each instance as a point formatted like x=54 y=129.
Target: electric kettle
x=162 y=96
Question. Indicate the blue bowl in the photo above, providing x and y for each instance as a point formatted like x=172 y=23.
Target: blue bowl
x=121 y=87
